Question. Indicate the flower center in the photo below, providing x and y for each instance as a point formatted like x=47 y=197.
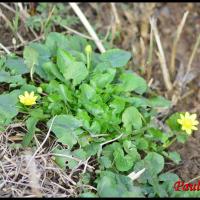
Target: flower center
x=187 y=123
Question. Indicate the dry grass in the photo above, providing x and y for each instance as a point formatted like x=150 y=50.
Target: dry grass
x=25 y=175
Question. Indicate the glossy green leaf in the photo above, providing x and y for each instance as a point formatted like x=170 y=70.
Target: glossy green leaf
x=116 y=57
x=116 y=185
x=123 y=163
x=8 y=108
x=172 y=122
x=31 y=127
x=30 y=56
x=175 y=157
x=64 y=127
x=16 y=65
x=159 y=101
x=131 y=117
x=133 y=82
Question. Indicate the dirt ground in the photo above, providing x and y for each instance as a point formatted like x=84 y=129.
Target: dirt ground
x=132 y=20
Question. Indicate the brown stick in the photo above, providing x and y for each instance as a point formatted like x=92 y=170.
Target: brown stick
x=161 y=56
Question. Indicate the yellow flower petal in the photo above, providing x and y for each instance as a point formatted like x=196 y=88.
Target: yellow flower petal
x=187 y=114
x=35 y=97
x=194 y=128
x=195 y=122
x=189 y=131
x=193 y=116
x=26 y=94
x=32 y=94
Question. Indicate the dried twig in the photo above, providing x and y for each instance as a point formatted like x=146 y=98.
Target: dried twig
x=107 y=142
x=143 y=50
x=193 y=179
x=15 y=180
x=10 y=25
x=176 y=39
x=193 y=54
x=150 y=56
x=25 y=15
x=34 y=176
x=5 y=49
x=134 y=175
x=8 y=7
x=161 y=56
x=74 y=31
x=87 y=25
x=117 y=20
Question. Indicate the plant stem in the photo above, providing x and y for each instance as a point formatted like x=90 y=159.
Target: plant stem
x=88 y=61
x=169 y=144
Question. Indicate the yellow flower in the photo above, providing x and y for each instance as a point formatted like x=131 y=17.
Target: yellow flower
x=188 y=122
x=28 y=99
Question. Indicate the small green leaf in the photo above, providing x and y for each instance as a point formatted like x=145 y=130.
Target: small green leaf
x=159 y=101
x=52 y=71
x=77 y=71
x=31 y=127
x=133 y=82
x=64 y=60
x=95 y=127
x=7 y=78
x=175 y=157
x=117 y=57
x=117 y=105
x=88 y=195
x=30 y=56
x=149 y=162
x=92 y=149
x=157 y=135
x=142 y=143
x=123 y=163
x=56 y=40
x=38 y=113
x=16 y=64
x=83 y=116
x=182 y=137
x=172 y=122
x=154 y=159
x=66 y=93
x=132 y=117
x=4 y=77
x=101 y=80
x=105 y=162
x=64 y=127
x=168 y=176
x=8 y=108
x=61 y=160
x=87 y=91
x=116 y=185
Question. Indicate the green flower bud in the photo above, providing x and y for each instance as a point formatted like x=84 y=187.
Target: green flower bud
x=88 y=49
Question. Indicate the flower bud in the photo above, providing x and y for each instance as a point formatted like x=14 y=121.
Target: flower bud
x=88 y=49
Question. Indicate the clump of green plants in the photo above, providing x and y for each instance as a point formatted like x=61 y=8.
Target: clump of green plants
x=97 y=110
x=48 y=15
